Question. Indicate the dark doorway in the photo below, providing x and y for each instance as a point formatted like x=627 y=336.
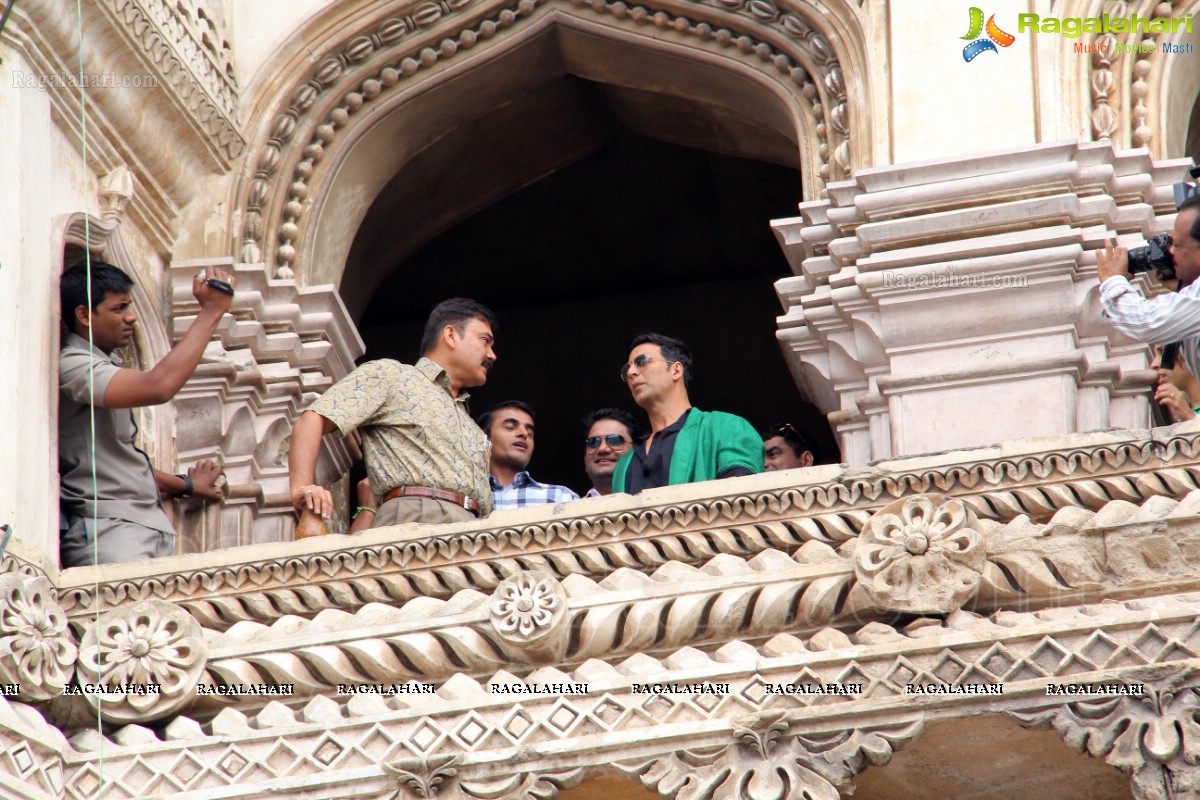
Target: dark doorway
x=639 y=235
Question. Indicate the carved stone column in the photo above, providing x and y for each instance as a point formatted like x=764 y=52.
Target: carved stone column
x=928 y=297
x=281 y=346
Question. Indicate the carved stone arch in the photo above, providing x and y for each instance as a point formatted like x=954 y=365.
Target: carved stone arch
x=605 y=782
x=385 y=58
x=769 y=758
x=1177 y=94
x=1149 y=728
x=1134 y=99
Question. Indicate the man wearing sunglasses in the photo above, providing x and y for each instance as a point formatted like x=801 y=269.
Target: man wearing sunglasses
x=685 y=444
x=610 y=434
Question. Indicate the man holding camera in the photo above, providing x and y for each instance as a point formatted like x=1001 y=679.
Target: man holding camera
x=1171 y=317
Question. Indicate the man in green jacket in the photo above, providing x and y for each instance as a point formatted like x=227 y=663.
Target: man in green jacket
x=685 y=444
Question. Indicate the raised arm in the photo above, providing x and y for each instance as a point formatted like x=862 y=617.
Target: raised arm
x=131 y=388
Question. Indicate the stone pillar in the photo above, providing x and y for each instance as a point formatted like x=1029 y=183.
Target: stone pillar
x=278 y=350
x=954 y=303
x=29 y=329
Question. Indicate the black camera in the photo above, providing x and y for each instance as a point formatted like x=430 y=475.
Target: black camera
x=1156 y=255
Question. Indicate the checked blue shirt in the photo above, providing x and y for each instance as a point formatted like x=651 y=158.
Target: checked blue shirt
x=525 y=491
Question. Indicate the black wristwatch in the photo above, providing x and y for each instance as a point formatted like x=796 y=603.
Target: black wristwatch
x=188 y=487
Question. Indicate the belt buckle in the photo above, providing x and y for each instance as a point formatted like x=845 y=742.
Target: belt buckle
x=466 y=503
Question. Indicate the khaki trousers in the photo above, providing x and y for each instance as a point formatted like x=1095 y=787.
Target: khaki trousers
x=423 y=510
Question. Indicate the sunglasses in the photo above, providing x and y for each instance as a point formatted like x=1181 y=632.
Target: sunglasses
x=785 y=428
x=779 y=430
x=615 y=441
x=640 y=362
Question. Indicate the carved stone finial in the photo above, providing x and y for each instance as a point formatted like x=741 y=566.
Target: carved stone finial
x=760 y=731
x=36 y=651
x=921 y=555
x=529 y=610
x=422 y=777
x=774 y=765
x=116 y=190
x=144 y=660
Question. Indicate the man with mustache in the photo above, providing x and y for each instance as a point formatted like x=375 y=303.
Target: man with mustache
x=426 y=458
x=510 y=428
x=111 y=494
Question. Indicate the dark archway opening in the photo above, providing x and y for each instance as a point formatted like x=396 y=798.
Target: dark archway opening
x=638 y=235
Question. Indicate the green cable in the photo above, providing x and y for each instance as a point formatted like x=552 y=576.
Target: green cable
x=87 y=251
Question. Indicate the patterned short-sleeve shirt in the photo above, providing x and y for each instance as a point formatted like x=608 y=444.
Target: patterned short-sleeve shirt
x=415 y=432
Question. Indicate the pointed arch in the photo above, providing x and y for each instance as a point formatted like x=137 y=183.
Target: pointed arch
x=781 y=67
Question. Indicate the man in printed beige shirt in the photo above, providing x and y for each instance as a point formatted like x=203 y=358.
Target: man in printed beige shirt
x=426 y=458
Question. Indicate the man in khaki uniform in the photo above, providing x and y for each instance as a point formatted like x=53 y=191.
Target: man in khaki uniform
x=426 y=458
x=111 y=506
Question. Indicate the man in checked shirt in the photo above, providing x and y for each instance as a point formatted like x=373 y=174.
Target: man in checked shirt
x=1171 y=317
x=510 y=428
x=425 y=456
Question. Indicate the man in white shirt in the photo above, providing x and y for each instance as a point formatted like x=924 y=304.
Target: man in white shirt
x=1169 y=318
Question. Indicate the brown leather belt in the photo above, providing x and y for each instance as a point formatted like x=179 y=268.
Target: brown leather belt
x=469 y=503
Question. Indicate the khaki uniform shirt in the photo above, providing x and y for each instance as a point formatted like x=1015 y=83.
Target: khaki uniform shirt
x=414 y=431
x=125 y=487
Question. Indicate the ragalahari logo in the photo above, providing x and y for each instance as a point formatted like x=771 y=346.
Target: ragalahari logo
x=995 y=36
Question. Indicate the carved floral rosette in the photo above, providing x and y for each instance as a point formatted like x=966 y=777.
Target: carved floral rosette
x=528 y=611
x=921 y=555
x=143 y=660
x=36 y=651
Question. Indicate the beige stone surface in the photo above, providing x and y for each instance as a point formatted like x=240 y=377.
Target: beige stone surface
x=898 y=626
x=990 y=758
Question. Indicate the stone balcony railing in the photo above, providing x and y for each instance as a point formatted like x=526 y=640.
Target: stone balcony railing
x=992 y=576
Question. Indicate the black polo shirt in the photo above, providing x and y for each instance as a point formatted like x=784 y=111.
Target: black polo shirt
x=652 y=469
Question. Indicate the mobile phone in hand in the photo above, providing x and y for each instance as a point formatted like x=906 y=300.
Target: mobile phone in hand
x=220 y=286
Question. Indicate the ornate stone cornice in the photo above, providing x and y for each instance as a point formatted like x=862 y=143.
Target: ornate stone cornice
x=182 y=44
x=531 y=620
x=924 y=553
x=467 y=730
x=367 y=66
x=696 y=523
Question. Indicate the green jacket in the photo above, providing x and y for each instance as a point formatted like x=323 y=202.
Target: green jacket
x=709 y=443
